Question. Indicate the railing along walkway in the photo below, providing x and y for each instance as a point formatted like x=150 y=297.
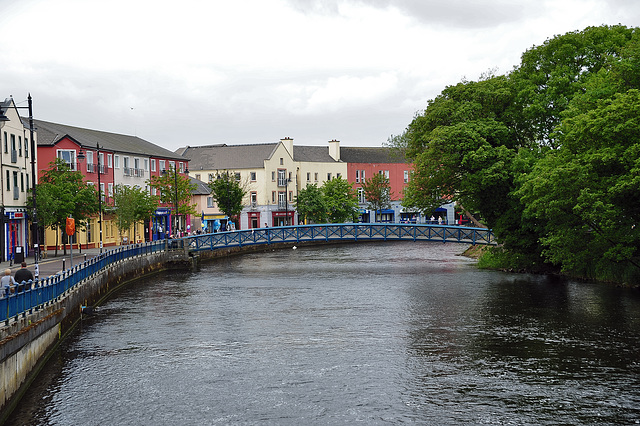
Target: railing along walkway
x=341 y=232
x=55 y=287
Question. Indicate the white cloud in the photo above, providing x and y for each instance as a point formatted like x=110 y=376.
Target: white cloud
x=219 y=71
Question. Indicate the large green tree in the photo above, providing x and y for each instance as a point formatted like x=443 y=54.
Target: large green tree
x=132 y=205
x=63 y=193
x=377 y=192
x=497 y=146
x=228 y=193
x=341 y=200
x=310 y=204
x=175 y=191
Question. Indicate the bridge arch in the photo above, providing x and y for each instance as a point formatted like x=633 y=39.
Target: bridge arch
x=336 y=232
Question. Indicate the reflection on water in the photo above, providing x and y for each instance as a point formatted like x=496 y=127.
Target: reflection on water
x=373 y=333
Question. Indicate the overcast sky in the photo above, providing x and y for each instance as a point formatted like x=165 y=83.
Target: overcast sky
x=198 y=72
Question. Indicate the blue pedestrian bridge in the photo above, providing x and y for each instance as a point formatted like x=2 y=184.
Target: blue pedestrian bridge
x=343 y=232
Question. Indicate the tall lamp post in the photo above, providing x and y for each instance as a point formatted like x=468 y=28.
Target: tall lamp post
x=34 y=217
x=81 y=157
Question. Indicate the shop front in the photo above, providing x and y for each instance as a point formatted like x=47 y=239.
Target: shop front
x=160 y=224
x=15 y=231
x=282 y=218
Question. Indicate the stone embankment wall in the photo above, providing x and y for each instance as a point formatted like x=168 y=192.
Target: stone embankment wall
x=28 y=341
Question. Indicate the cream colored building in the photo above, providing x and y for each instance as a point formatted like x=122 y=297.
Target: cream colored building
x=272 y=174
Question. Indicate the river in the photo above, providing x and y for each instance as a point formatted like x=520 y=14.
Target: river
x=373 y=333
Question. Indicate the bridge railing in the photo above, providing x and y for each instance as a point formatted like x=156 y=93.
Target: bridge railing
x=53 y=288
x=341 y=232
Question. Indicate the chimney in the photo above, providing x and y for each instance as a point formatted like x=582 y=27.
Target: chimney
x=288 y=144
x=334 y=149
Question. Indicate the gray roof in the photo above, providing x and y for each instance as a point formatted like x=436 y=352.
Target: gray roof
x=51 y=133
x=201 y=187
x=319 y=154
x=222 y=157
x=371 y=155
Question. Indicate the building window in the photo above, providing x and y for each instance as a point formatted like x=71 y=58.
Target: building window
x=28 y=182
x=315 y=175
x=146 y=164
x=273 y=194
x=26 y=148
x=210 y=202
x=338 y=175
x=8 y=183
x=361 y=197
x=68 y=156
x=282 y=177
x=406 y=176
x=197 y=176
x=110 y=161
x=116 y=161
x=22 y=182
x=273 y=176
x=6 y=147
x=89 y=161
x=19 y=146
x=385 y=173
x=357 y=176
x=328 y=176
x=161 y=164
x=110 y=186
x=281 y=161
x=153 y=165
x=237 y=175
x=172 y=165
x=253 y=176
x=101 y=160
x=309 y=177
x=254 y=198
x=181 y=166
x=210 y=177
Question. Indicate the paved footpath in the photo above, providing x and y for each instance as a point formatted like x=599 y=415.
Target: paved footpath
x=53 y=264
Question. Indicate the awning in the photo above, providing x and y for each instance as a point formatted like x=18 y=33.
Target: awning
x=214 y=216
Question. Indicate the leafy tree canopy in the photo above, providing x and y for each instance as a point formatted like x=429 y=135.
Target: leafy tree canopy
x=175 y=190
x=62 y=193
x=377 y=191
x=341 y=200
x=132 y=205
x=310 y=204
x=547 y=154
x=228 y=193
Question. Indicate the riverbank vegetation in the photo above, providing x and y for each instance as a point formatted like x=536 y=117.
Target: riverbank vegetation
x=548 y=155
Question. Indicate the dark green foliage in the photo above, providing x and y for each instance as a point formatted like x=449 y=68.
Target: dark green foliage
x=548 y=155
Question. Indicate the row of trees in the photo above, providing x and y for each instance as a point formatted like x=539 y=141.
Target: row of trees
x=549 y=154
x=335 y=201
x=63 y=193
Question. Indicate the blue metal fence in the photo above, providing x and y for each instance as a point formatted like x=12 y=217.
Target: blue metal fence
x=51 y=289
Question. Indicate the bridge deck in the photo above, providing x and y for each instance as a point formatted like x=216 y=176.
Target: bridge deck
x=341 y=232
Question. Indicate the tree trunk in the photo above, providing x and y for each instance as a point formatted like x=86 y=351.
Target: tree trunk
x=471 y=218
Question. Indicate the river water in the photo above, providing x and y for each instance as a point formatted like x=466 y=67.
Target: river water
x=377 y=333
